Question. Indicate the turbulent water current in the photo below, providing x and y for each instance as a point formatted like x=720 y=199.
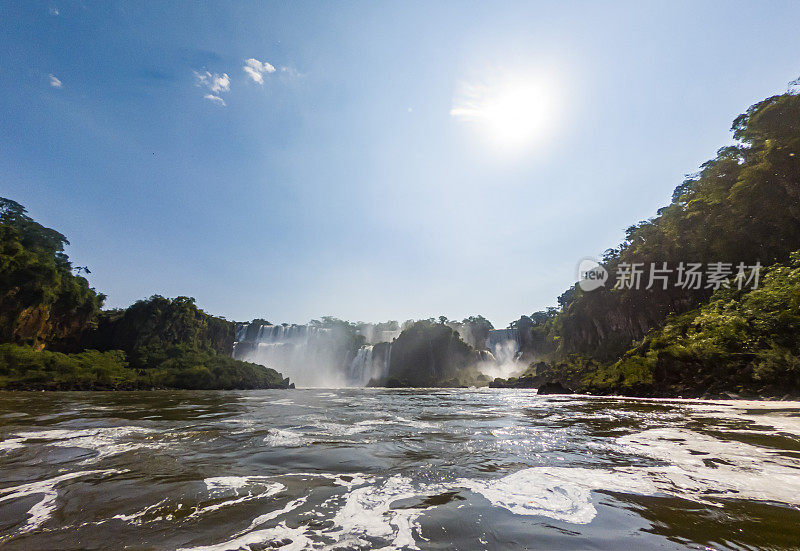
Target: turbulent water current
x=403 y=469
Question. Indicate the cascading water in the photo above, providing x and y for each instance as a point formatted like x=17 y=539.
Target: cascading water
x=504 y=344
x=370 y=364
x=316 y=356
x=312 y=356
x=360 y=363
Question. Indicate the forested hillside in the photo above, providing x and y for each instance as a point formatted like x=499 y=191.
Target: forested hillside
x=743 y=206
x=41 y=300
x=54 y=335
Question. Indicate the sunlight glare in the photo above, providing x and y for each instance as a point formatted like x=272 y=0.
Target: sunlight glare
x=512 y=113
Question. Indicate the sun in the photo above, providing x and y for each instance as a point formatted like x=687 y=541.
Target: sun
x=513 y=113
x=515 y=116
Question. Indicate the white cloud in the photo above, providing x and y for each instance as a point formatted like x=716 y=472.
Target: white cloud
x=215 y=84
x=55 y=82
x=215 y=99
x=256 y=69
x=213 y=81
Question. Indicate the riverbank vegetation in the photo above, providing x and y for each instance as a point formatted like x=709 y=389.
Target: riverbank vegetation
x=742 y=207
x=56 y=336
x=746 y=342
x=24 y=368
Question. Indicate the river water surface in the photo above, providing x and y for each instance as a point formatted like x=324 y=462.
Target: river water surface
x=395 y=469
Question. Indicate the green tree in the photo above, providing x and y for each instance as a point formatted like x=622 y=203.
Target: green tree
x=42 y=302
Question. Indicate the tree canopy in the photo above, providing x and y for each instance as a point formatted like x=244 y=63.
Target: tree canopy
x=41 y=300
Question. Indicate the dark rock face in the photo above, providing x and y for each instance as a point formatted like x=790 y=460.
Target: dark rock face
x=525 y=381
x=394 y=382
x=554 y=388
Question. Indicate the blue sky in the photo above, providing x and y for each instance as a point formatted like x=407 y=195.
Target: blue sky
x=343 y=184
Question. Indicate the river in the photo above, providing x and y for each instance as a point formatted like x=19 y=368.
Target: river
x=399 y=469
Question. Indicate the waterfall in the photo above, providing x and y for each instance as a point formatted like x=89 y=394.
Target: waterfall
x=310 y=356
x=361 y=366
x=313 y=356
x=504 y=345
x=371 y=363
x=241 y=332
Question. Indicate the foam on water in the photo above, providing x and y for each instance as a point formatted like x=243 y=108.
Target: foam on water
x=104 y=441
x=243 y=426
x=339 y=429
x=785 y=419
x=695 y=466
x=263 y=519
x=242 y=488
x=136 y=518
x=545 y=457
x=700 y=467
x=43 y=509
x=217 y=484
x=560 y=493
x=290 y=539
x=363 y=513
x=10 y=444
x=284 y=438
x=397 y=420
x=367 y=512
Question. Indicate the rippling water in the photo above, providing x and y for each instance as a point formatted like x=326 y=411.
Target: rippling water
x=371 y=468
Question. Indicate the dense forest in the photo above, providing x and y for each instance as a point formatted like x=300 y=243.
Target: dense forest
x=55 y=335
x=743 y=206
